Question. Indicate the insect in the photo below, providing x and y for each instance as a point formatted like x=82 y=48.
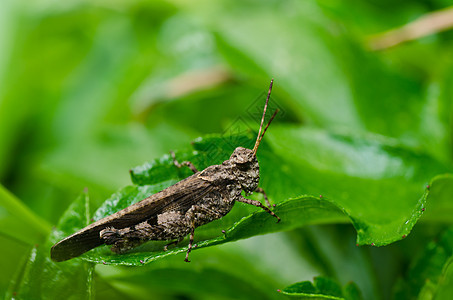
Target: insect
x=176 y=211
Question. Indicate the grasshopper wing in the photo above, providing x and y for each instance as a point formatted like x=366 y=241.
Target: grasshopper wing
x=179 y=197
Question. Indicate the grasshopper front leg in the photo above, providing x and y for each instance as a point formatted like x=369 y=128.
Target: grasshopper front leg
x=184 y=163
x=258 y=204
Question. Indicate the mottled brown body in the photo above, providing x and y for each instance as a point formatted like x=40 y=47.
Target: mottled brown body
x=225 y=183
x=176 y=211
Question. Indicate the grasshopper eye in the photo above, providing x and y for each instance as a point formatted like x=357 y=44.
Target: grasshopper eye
x=243 y=167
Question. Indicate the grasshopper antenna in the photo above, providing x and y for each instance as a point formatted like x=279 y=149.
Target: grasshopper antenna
x=260 y=136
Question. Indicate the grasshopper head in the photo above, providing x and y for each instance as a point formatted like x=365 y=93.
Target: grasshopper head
x=245 y=167
x=243 y=157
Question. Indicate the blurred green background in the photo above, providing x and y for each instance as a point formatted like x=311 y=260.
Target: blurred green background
x=91 y=89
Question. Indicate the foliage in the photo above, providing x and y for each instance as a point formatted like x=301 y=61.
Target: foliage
x=364 y=138
x=321 y=288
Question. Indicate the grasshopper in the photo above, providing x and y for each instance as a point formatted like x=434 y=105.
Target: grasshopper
x=176 y=211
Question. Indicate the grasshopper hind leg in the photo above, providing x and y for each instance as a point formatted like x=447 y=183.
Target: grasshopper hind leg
x=119 y=242
x=258 y=204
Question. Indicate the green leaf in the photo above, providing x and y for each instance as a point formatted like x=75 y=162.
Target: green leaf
x=169 y=281
x=445 y=287
x=430 y=273
x=439 y=205
x=252 y=267
x=332 y=248
x=18 y=222
x=379 y=183
x=294 y=212
x=41 y=278
x=377 y=171
x=20 y=228
x=322 y=288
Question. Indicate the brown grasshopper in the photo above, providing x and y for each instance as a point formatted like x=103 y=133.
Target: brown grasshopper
x=176 y=211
